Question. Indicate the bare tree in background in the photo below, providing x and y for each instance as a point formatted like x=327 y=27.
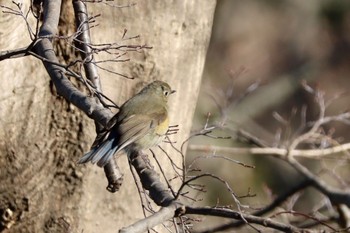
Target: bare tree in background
x=305 y=146
x=44 y=190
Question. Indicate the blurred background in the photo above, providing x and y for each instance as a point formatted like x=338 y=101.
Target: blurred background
x=275 y=45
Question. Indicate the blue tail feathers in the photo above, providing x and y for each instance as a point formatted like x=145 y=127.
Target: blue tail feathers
x=100 y=154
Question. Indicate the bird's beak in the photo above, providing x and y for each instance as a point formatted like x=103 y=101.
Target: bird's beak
x=172 y=92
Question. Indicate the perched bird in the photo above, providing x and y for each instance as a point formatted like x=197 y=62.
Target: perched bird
x=141 y=123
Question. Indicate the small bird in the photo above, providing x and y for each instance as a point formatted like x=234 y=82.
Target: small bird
x=140 y=124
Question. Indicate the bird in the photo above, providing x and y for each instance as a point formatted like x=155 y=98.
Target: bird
x=141 y=123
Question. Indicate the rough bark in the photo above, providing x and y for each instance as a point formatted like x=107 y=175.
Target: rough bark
x=42 y=135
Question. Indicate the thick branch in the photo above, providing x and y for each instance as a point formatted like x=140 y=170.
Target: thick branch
x=112 y=171
x=148 y=223
x=51 y=12
x=84 y=39
x=158 y=192
x=16 y=53
x=64 y=87
x=113 y=175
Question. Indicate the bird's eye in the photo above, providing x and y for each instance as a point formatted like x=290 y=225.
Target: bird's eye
x=166 y=93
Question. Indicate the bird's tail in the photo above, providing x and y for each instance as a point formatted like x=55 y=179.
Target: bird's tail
x=100 y=154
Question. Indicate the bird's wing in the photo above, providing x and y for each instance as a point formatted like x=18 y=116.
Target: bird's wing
x=101 y=137
x=135 y=127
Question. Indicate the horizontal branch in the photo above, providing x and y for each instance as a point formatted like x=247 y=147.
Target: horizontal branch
x=336 y=196
x=164 y=214
x=227 y=213
x=16 y=53
x=175 y=209
x=277 y=202
x=280 y=152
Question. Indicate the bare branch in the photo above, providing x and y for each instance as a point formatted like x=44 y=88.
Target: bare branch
x=150 y=180
x=145 y=224
x=83 y=39
x=219 y=157
x=228 y=213
x=233 y=195
x=305 y=216
x=336 y=196
x=19 y=12
x=141 y=191
x=107 y=3
x=279 y=152
x=163 y=173
x=277 y=202
x=16 y=53
x=64 y=87
x=113 y=175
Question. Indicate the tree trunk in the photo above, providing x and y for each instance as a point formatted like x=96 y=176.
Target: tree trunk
x=41 y=137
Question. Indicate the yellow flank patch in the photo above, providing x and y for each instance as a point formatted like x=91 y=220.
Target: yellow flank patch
x=163 y=126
